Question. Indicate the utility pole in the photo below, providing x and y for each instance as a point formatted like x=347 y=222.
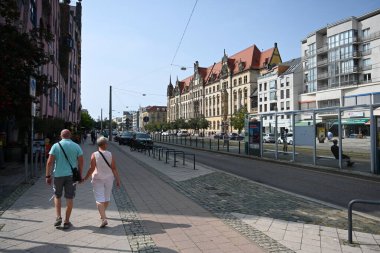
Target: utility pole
x=101 y=120
x=110 y=127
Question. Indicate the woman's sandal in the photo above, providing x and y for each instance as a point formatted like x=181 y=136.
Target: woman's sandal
x=104 y=223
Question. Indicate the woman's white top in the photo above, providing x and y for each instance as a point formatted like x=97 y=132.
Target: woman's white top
x=102 y=170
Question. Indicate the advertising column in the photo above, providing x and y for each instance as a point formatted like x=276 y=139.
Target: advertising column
x=254 y=138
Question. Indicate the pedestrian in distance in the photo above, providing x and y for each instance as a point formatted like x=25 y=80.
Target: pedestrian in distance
x=335 y=151
x=285 y=141
x=63 y=156
x=93 y=137
x=103 y=172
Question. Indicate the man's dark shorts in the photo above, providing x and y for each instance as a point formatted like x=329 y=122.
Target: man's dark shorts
x=66 y=183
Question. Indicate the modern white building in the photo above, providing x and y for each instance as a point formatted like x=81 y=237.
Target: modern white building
x=278 y=91
x=342 y=68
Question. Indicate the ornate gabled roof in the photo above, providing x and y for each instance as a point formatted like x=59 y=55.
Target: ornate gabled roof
x=249 y=58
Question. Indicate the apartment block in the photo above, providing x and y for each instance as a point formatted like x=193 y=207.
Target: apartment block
x=342 y=64
x=278 y=91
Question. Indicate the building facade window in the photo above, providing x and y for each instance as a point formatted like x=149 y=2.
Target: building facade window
x=273 y=84
x=272 y=96
x=245 y=79
x=365 y=33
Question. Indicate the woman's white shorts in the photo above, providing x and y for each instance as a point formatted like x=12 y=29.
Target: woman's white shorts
x=102 y=189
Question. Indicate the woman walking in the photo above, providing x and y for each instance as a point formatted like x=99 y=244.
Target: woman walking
x=103 y=171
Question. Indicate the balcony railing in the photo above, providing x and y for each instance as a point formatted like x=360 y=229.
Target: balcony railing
x=323 y=75
x=322 y=49
x=337 y=85
x=371 y=36
x=356 y=54
x=322 y=62
x=366 y=52
x=368 y=67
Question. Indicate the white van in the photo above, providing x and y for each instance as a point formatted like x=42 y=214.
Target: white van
x=183 y=133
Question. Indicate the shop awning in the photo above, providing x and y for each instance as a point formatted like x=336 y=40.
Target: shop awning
x=304 y=123
x=356 y=121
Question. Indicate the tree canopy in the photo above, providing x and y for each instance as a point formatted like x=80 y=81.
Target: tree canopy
x=237 y=120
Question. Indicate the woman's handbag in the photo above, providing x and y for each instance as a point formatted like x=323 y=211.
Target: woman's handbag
x=76 y=175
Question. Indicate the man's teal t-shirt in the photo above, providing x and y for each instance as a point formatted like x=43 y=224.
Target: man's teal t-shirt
x=73 y=151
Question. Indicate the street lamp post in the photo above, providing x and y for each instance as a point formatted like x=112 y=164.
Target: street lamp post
x=110 y=120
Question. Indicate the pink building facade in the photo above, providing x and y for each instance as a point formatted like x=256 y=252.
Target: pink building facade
x=62 y=98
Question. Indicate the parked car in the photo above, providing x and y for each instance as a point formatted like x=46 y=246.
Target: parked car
x=235 y=136
x=268 y=138
x=117 y=136
x=221 y=136
x=125 y=138
x=182 y=133
x=141 y=141
x=166 y=133
x=289 y=139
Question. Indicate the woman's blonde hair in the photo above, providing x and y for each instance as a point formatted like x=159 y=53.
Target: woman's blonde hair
x=101 y=141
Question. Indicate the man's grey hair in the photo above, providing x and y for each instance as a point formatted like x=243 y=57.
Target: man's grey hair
x=101 y=141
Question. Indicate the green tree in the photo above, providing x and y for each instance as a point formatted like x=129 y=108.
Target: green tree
x=151 y=127
x=237 y=120
x=86 y=122
x=193 y=123
x=203 y=123
x=181 y=124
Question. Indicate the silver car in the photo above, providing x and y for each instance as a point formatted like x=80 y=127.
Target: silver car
x=268 y=138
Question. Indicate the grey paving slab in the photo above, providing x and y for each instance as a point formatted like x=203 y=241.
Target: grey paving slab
x=29 y=225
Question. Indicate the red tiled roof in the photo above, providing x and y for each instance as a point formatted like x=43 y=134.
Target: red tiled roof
x=266 y=56
x=252 y=58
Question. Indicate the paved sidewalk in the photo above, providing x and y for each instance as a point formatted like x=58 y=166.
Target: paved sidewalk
x=266 y=215
x=171 y=220
x=28 y=225
x=164 y=209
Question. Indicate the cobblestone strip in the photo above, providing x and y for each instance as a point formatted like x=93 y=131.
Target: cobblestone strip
x=250 y=232
x=138 y=237
x=18 y=192
x=8 y=202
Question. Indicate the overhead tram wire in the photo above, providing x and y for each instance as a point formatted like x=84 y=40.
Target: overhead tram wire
x=183 y=34
x=139 y=93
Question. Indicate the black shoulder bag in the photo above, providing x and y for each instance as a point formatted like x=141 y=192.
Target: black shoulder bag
x=76 y=175
x=105 y=160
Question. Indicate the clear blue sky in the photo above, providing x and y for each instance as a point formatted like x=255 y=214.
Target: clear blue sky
x=130 y=44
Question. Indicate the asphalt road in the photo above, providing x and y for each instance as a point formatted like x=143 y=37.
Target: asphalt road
x=328 y=187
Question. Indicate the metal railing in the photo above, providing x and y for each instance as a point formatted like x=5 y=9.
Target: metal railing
x=350 y=206
x=208 y=143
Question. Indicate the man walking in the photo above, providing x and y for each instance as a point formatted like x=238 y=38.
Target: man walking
x=63 y=174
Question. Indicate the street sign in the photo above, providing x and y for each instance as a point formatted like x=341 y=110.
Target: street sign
x=32 y=87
